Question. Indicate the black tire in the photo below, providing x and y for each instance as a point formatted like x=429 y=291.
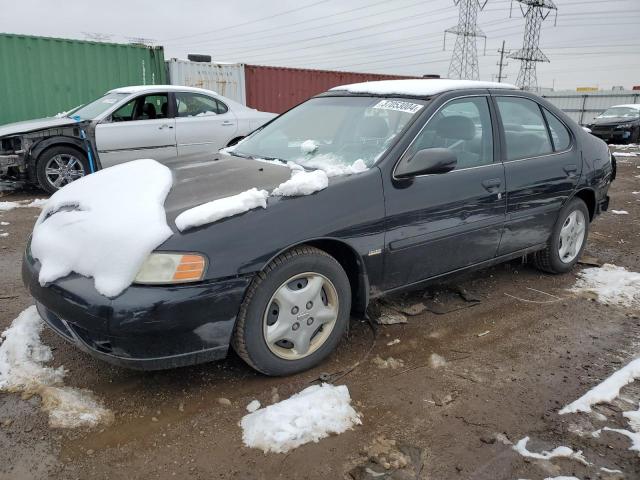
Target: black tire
x=249 y=338
x=548 y=260
x=45 y=181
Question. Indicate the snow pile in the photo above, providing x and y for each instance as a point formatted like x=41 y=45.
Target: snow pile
x=418 y=87
x=558 y=452
x=333 y=166
x=612 y=284
x=619 y=212
x=104 y=225
x=253 y=406
x=22 y=359
x=625 y=154
x=302 y=183
x=35 y=203
x=308 y=416
x=309 y=146
x=605 y=391
x=222 y=208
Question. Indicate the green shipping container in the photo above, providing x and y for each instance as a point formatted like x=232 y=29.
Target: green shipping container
x=42 y=76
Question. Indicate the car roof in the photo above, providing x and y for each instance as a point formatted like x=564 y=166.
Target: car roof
x=164 y=88
x=628 y=105
x=419 y=87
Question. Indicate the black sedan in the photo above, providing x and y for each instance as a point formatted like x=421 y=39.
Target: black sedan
x=618 y=124
x=459 y=175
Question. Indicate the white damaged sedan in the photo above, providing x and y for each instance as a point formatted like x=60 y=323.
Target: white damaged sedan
x=171 y=124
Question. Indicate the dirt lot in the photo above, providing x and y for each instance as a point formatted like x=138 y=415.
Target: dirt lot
x=510 y=362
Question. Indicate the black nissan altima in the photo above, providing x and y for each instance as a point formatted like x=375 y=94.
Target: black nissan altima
x=459 y=175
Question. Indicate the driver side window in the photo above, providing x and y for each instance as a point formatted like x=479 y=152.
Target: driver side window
x=464 y=127
x=144 y=107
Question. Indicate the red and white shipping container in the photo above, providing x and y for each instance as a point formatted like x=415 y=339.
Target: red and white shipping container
x=270 y=89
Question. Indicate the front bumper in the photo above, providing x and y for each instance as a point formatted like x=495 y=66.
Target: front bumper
x=145 y=327
x=610 y=134
x=10 y=160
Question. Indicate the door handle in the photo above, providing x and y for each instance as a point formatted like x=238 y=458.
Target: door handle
x=161 y=127
x=492 y=184
x=570 y=170
x=227 y=123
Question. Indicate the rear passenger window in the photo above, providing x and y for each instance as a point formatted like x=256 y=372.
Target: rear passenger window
x=525 y=131
x=559 y=133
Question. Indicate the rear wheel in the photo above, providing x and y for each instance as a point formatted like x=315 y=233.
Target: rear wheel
x=294 y=313
x=59 y=166
x=567 y=241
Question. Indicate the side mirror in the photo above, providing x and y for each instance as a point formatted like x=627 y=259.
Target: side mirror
x=427 y=161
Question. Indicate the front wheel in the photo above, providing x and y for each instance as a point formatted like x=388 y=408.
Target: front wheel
x=59 y=166
x=294 y=314
x=567 y=241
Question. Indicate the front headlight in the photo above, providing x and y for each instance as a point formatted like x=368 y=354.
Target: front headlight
x=165 y=268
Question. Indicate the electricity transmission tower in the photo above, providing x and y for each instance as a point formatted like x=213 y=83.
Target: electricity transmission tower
x=464 y=60
x=535 y=12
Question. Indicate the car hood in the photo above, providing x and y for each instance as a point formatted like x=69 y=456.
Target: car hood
x=33 y=125
x=223 y=176
x=612 y=121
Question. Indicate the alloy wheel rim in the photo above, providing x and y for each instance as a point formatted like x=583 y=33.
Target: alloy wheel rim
x=300 y=316
x=63 y=169
x=572 y=236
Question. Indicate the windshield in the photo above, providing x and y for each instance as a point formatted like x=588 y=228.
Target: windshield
x=621 y=112
x=332 y=131
x=101 y=105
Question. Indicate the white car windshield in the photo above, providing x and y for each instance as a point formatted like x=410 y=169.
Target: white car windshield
x=99 y=106
x=621 y=112
x=328 y=131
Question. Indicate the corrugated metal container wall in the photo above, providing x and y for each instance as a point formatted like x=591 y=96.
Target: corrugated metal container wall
x=227 y=79
x=277 y=89
x=42 y=76
x=584 y=107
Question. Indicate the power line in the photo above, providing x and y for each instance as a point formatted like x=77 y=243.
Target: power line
x=269 y=17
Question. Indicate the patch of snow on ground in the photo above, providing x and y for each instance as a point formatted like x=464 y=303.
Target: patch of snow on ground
x=22 y=369
x=302 y=183
x=436 y=361
x=4 y=234
x=562 y=478
x=4 y=224
x=222 y=208
x=253 y=406
x=35 y=203
x=606 y=391
x=619 y=212
x=122 y=205
x=625 y=154
x=613 y=285
x=558 y=452
x=308 y=416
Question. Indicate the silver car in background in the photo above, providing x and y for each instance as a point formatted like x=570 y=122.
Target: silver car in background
x=168 y=123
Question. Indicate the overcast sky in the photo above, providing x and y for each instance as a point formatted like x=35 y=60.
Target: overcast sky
x=593 y=43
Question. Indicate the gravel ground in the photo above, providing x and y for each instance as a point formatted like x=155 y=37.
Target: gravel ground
x=509 y=365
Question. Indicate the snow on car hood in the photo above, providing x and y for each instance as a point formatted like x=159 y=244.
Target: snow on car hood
x=225 y=176
x=104 y=225
x=33 y=125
